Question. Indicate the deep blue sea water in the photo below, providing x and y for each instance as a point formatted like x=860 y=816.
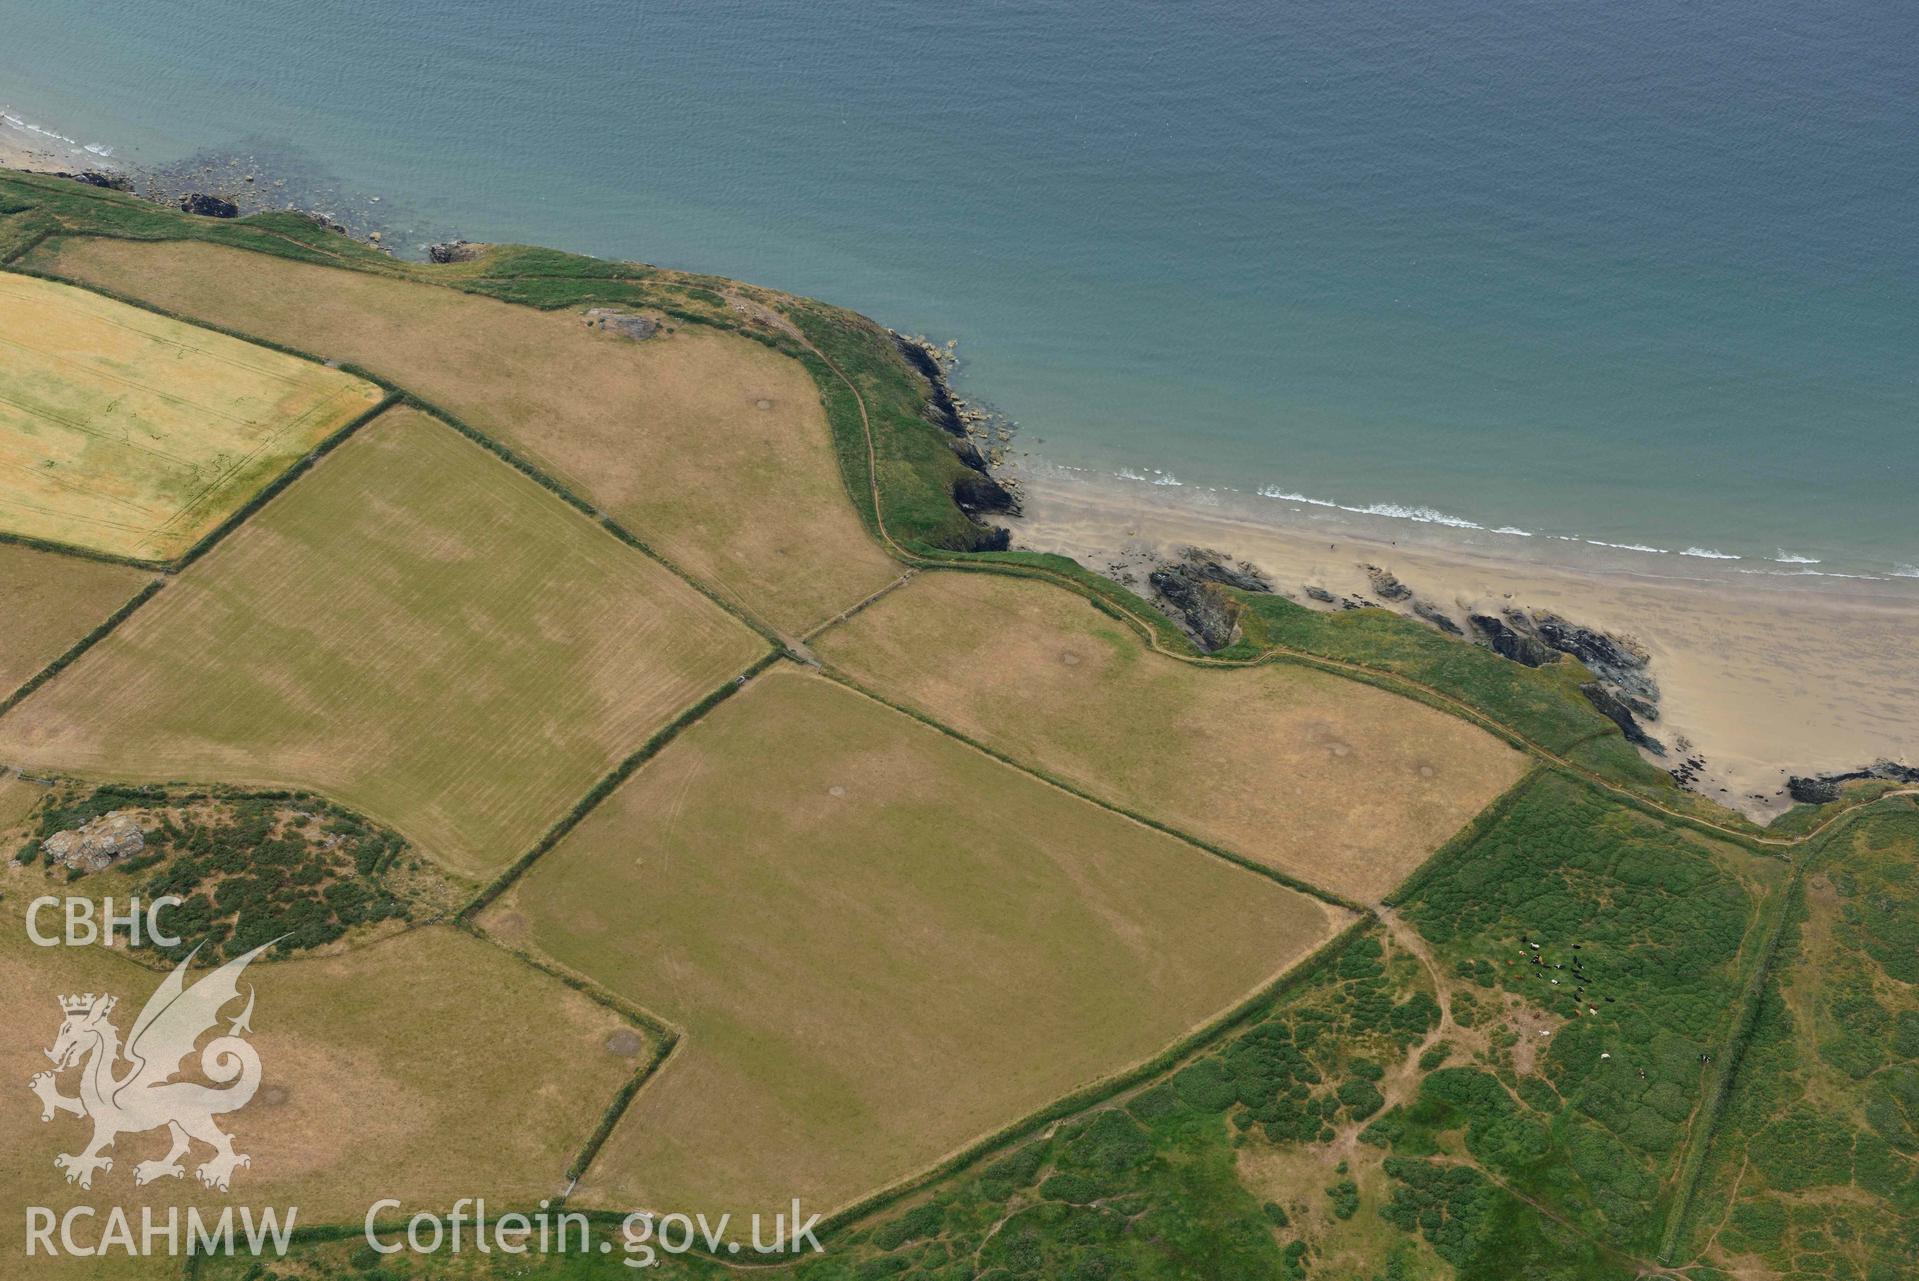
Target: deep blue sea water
x=1644 y=272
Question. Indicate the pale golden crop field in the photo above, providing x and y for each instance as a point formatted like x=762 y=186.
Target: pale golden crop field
x=125 y=432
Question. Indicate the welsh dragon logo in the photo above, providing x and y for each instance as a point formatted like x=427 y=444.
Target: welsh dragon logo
x=130 y=1089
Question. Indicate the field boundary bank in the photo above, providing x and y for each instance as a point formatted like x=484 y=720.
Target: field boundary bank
x=1107 y=601
x=73 y=653
x=663 y=1038
x=1692 y=1164
x=1284 y=879
x=1395 y=682
x=610 y=783
x=397 y=395
x=1739 y=1036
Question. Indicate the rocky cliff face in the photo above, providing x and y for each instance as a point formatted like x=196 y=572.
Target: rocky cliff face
x=1208 y=612
x=1191 y=589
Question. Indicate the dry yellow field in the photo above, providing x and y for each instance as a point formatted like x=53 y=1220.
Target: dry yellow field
x=880 y=943
x=125 y=432
x=710 y=447
x=1336 y=783
x=427 y=1067
x=47 y=602
x=413 y=628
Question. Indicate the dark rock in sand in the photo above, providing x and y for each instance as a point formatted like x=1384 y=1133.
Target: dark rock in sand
x=1813 y=791
x=1437 y=617
x=1387 y=585
x=1509 y=643
x=1319 y=594
x=198 y=202
x=1614 y=709
x=1211 y=615
x=1601 y=651
x=996 y=539
x=1822 y=788
x=1217 y=567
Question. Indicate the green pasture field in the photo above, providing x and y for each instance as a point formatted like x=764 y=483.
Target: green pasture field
x=881 y=946
x=413 y=629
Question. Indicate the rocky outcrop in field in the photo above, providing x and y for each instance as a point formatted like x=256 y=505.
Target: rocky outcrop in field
x=92 y=846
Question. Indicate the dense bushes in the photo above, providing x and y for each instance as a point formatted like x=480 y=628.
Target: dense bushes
x=251 y=868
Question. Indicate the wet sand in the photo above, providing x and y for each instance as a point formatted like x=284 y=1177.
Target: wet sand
x=1763 y=676
x=36 y=152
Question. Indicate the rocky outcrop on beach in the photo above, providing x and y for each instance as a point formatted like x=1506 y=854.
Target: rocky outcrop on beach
x=1438 y=617
x=1508 y=641
x=93 y=846
x=1386 y=584
x=1622 y=688
x=1217 y=567
x=1193 y=589
x=1201 y=605
x=208 y=206
x=1614 y=709
x=981 y=493
x=1819 y=789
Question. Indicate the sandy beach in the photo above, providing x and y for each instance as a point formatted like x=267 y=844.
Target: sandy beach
x=1763 y=675
x=22 y=146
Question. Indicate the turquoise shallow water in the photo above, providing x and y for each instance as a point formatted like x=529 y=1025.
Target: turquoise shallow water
x=1641 y=273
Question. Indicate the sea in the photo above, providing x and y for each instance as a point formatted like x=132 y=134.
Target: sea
x=1639 y=275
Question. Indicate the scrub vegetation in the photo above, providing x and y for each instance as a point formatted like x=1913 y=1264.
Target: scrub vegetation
x=1815 y=1170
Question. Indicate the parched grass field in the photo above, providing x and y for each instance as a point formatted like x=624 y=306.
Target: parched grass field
x=880 y=943
x=51 y=601
x=428 y=1067
x=415 y=629
x=126 y=432
x=1333 y=782
x=711 y=447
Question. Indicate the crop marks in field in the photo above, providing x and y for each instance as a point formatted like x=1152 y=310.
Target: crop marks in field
x=711 y=447
x=881 y=945
x=414 y=629
x=126 y=432
x=1333 y=782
